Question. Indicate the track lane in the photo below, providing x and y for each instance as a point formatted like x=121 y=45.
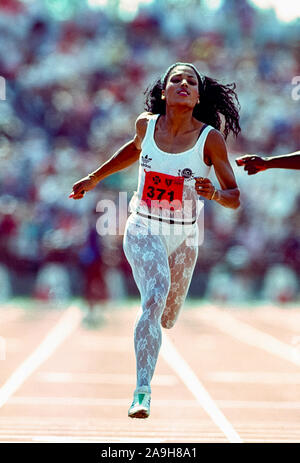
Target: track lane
x=83 y=390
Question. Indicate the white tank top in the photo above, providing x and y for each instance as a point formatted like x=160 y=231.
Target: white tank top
x=165 y=177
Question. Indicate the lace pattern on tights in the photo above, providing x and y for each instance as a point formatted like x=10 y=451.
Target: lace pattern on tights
x=162 y=267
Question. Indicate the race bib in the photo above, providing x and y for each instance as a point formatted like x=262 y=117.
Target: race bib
x=163 y=190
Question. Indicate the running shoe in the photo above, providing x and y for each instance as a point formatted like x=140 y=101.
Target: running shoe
x=140 y=407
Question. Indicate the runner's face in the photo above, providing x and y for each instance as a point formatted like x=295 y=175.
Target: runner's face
x=182 y=87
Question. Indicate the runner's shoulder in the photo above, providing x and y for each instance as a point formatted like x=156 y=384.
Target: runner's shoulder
x=215 y=136
x=140 y=128
x=215 y=141
x=141 y=123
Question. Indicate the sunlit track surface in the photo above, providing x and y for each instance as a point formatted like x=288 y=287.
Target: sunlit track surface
x=93 y=430
x=79 y=383
x=48 y=430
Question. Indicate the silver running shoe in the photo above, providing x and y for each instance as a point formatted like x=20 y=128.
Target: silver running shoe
x=140 y=407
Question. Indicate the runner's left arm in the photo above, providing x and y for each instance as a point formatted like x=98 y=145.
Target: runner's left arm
x=228 y=196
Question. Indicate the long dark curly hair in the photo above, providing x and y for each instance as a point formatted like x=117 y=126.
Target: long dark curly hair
x=215 y=99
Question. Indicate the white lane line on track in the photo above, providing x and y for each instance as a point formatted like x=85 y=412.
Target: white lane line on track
x=144 y=434
x=123 y=440
x=280 y=318
x=70 y=439
x=253 y=377
x=84 y=425
x=253 y=404
x=87 y=431
x=95 y=402
x=101 y=378
x=183 y=370
x=120 y=439
x=65 y=326
x=93 y=343
x=247 y=334
x=12 y=345
x=9 y=316
x=88 y=401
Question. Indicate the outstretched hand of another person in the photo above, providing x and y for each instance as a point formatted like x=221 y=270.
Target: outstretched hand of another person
x=82 y=186
x=252 y=164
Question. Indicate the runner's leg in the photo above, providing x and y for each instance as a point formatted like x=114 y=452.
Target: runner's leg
x=182 y=263
x=148 y=258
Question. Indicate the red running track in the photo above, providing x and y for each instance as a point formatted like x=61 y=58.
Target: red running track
x=223 y=375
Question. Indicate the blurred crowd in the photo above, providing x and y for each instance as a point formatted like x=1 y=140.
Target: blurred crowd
x=74 y=88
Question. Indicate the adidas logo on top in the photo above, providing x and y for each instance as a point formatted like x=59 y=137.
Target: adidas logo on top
x=146 y=161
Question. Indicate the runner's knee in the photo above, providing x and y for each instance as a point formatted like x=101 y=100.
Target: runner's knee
x=155 y=303
x=167 y=323
x=171 y=312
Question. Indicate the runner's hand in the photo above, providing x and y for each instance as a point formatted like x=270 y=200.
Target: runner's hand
x=252 y=164
x=83 y=185
x=204 y=187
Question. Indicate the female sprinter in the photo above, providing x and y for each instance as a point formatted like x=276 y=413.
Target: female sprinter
x=176 y=142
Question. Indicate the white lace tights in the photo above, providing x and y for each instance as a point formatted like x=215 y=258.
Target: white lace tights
x=162 y=267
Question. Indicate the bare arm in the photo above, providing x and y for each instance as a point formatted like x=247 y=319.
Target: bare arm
x=254 y=164
x=216 y=151
x=127 y=155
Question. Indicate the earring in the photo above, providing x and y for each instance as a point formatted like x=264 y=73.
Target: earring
x=163 y=97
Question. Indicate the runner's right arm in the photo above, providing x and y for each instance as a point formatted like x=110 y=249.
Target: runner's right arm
x=128 y=154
